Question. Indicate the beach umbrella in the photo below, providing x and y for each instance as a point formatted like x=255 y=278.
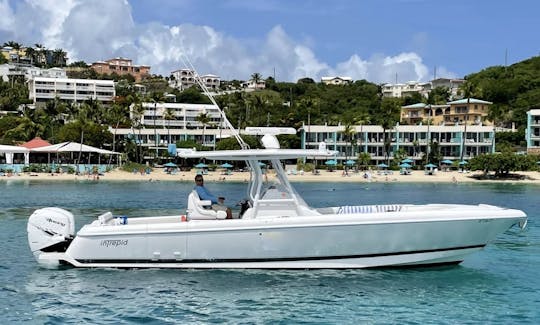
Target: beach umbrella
x=430 y=165
x=382 y=165
x=350 y=162
x=407 y=161
x=447 y=161
x=405 y=165
x=201 y=165
x=170 y=164
x=331 y=162
x=226 y=165
x=463 y=162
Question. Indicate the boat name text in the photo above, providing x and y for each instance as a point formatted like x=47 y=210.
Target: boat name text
x=114 y=242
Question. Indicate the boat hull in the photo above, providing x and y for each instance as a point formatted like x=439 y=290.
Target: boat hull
x=336 y=241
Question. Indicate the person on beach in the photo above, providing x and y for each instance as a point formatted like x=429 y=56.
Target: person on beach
x=218 y=203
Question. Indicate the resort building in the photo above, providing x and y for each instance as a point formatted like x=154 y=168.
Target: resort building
x=9 y=71
x=121 y=66
x=459 y=112
x=38 y=55
x=43 y=89
x=400 y=90
x=468 y=111
x=414 y=140
x=254 y=84
x=452 y=85
x=532 y=133
x=160 y=124
x=336 y=80
x=185 y=78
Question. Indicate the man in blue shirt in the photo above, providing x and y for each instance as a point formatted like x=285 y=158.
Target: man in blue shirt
x=204 y=194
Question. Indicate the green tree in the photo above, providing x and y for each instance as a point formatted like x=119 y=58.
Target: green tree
x=348 y=134
x=232 y=144
x=169 y=116
x=387 y=116
x=204 y=119
x=468 y=89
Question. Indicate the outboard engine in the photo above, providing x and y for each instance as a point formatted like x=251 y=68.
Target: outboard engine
x=50 y=230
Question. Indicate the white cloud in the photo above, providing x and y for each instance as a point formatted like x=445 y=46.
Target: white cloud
x=7 y=16
x=102 y=29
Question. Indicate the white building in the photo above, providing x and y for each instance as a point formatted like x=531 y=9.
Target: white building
x=402 y=90
x=184 y=78
x=453 y=85
x=399 y=90
x=532 y=133
x=251 y=84
x=29 y=72
x=413 y=139
x=43 y=89
x=154 y=129
x=336 y=80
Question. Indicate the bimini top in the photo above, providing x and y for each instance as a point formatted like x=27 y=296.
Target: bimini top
x=256 y=154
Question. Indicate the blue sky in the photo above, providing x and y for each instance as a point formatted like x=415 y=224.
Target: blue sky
x=369 y=39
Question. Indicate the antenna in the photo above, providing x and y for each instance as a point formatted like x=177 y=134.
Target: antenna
x=201 y=84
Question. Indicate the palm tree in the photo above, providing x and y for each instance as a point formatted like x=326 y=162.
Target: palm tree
x=169 y=116
x=137 y=113
x=430 y=101
x=115 y=115
x=40 y=54
x=468 y=89
x=256 y=77
x=362 y=119
x=157 y=98
x=30 y=125
x=204 y=119
x=83 y=121
x=387 y=116
x=31 y=54
x=59 y=57
x=348 y=133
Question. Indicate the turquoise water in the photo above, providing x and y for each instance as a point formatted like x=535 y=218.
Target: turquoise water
x=500 y=284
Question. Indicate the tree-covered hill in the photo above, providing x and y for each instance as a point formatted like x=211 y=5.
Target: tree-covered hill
x=513 y=90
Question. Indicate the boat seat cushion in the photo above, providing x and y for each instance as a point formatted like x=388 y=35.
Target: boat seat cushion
x=348 y=209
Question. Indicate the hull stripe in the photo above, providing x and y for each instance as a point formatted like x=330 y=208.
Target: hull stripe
x=262 y=260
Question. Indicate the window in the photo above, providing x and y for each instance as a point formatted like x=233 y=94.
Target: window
x=461 y=109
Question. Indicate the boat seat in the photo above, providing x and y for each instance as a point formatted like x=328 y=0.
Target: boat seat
x=348 y=209
x=198 y=209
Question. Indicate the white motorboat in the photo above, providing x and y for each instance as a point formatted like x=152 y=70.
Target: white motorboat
x=275 y=229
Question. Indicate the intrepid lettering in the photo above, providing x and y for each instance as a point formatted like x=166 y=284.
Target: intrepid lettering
x=114 y=242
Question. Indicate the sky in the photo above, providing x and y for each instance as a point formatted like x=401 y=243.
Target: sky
x=381 y=41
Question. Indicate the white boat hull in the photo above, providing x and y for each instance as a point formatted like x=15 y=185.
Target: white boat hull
x=420 y=236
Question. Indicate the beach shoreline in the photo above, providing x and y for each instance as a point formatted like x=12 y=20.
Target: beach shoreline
x=243 y=177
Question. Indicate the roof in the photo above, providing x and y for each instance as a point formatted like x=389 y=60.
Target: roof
x=417 y=105
x=13 y=149
x=471 y=101
x=35 y=143
x=72 y=147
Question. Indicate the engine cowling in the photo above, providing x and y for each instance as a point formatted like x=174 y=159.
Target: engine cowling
x=50 y=230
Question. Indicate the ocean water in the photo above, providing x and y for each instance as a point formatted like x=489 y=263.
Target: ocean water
x=498 y=285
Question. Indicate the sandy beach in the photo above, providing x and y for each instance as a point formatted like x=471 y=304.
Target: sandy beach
x=323 y=176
